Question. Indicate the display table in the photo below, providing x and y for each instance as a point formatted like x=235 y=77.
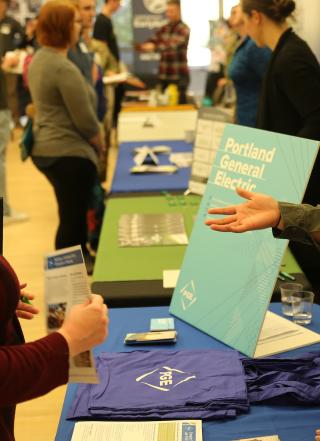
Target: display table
x=144 y=107
x=133 y=276
x=126 y=182
x=146 y=125
x=291 y=423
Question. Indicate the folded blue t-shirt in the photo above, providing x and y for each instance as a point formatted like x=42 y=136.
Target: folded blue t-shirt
x=204 y=384
x=284 y=380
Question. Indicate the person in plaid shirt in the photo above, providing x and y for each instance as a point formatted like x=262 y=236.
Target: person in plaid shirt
x=171 y=41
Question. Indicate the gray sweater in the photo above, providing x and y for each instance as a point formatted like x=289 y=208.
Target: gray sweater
x=65 y=108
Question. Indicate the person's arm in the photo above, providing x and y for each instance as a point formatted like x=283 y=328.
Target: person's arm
x=33 y=369
x=300 y=222
x=301 y=84
x=30 y=370
x=179 y=39
x=75 y=94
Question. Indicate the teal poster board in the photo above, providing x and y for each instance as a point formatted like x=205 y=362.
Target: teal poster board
x=227 y=280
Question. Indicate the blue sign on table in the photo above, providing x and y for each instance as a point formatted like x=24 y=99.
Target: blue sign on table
x=227 y=280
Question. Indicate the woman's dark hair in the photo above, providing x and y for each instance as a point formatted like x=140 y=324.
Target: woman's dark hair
x=276 y=10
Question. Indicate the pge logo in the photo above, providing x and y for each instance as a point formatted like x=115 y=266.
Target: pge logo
x=165 y=378
x=188 y=295
x=155 y=6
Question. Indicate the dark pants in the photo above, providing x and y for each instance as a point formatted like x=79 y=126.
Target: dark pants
x=211 y=83
x=12 y=89
x=182 y=85
x=73 y=180
x=307 y=256
x=119 y=93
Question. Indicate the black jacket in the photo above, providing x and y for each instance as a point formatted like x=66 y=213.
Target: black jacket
x=290 y=98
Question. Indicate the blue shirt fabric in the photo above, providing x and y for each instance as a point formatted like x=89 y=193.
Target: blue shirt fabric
x=247 y=70
x=164 y=385
x=284 y=381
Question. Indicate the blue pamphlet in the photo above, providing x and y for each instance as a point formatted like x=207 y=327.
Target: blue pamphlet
x=226 y=280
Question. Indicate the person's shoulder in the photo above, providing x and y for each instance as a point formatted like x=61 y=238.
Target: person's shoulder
x=53 y=62
x=295 y=49
x=184 y=26
x=101 y=19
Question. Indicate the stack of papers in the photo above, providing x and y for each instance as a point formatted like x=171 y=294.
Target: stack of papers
x=147 y=230
x=142 y=431
x=117 y=78
x=143 y=385
x=261 y=438
x=169 y=169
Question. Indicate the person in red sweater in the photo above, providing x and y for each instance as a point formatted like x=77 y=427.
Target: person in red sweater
x=29 y=370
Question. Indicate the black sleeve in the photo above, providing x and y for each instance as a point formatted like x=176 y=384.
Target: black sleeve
x=301 y=85
x=102 y=30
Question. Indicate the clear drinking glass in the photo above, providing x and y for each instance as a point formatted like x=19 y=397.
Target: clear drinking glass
x=287 y=290
x=302 y=307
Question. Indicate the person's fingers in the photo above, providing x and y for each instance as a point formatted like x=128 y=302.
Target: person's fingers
x=223 y=221
x=244 y=193
x=96 y=299
x=28 y=308
x=240 y=228
x=234 y=227
x=29 y=296
x=221 y=228
x=24 y=315
x=23 y=285
x=226 y=210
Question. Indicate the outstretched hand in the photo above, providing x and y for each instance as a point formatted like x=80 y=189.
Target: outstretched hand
x=260 y=211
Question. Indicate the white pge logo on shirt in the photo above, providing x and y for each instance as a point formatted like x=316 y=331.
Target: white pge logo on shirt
x=188 y=295
x=165 y=378
x=155 y=6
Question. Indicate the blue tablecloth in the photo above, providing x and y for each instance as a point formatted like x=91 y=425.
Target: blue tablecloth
x=292 y=423
x=125 y=182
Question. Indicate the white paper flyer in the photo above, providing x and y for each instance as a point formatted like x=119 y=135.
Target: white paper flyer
x=66 y=285
x=138 y=431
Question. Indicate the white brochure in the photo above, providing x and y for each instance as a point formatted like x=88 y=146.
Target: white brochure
x=66 y=285
x=261 y=438
x=138 y=431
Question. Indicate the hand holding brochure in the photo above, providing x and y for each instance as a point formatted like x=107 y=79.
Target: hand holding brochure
x=66 y=285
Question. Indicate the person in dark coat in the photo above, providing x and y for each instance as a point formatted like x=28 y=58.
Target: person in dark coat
x=290 y=98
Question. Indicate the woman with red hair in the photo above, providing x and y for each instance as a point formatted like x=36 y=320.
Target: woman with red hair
x=66 y=129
